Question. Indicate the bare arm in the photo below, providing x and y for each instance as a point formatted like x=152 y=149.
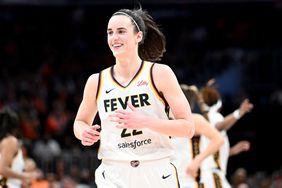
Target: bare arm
x=227 y=123
x=232 y=118
x=167 y=83
x=9 y=148
x=239 y=147
x=203 y=128
x=83 y=129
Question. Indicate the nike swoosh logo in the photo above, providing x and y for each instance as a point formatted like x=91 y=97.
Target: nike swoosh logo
x=103 y=173
x=164 y=177
x=108 y=91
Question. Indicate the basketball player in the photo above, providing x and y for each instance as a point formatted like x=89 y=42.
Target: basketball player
x=218 y=163
x=188 y=157
x=132 y=98
x=11 y=157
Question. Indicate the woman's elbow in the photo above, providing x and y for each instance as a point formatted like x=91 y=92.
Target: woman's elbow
x=220 y=141
x=191 y=129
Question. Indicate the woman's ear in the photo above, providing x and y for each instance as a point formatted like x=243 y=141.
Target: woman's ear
x=139 y=36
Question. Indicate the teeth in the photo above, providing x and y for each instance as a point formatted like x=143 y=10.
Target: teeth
x=116 y=45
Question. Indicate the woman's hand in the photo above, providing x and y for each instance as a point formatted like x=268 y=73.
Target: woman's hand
x=30 y=177
x=192 y=168
x=131 y=118
x=90 y=135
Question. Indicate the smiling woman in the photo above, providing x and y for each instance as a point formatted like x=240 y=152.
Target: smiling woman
x=133 y=99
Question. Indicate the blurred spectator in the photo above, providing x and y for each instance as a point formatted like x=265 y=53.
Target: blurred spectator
x=46 y=151
x=239 y=178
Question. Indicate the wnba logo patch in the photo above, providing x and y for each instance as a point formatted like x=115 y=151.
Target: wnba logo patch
x=134 y=163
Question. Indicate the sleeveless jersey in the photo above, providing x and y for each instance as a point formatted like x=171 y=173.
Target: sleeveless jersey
x=218 y=160
x=214 y=167
x=128 y=144
x=17 y=166
x=185 y=150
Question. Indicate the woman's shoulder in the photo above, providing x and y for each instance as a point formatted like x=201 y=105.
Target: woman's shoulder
x=10 y=141
x=93 y=76
x=159 y=68
x=163 y=76
x=160 y=65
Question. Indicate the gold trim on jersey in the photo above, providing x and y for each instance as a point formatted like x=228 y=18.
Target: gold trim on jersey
x=196 y=142
x=3 y=182
x=216 y=157
x=100 y=83
x=145 y=65
x=139 y=72
x=217 y=180
x=111 y=72
x=176 y=175
x=154 y=88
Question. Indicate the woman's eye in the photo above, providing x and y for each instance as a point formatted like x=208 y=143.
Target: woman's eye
x=121 y=31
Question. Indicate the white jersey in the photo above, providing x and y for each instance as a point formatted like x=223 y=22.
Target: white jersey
x=214 y=167
x=127 y=144
x=218 y=160
x=214 y=179
x=214 y=118
x=17 y=166
x=183 y=155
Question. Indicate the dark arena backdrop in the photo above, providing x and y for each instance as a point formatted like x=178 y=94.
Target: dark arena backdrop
x=49 y=48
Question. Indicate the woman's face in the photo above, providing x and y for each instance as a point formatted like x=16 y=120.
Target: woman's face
x=122 y=38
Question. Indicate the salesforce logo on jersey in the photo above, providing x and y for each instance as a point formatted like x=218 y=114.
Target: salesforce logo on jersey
x=134 y=144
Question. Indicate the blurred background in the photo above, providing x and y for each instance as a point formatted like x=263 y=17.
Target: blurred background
x=48 y=48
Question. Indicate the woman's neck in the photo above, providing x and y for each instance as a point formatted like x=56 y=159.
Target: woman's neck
x=125 y=70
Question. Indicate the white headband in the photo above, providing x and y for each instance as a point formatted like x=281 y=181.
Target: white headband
x=129 y=17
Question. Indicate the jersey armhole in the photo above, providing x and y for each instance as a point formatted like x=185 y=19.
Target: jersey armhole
x=160 y=95
x=98 y=86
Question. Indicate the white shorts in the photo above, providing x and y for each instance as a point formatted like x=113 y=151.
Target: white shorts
x=136 y=174
x=214 y=179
